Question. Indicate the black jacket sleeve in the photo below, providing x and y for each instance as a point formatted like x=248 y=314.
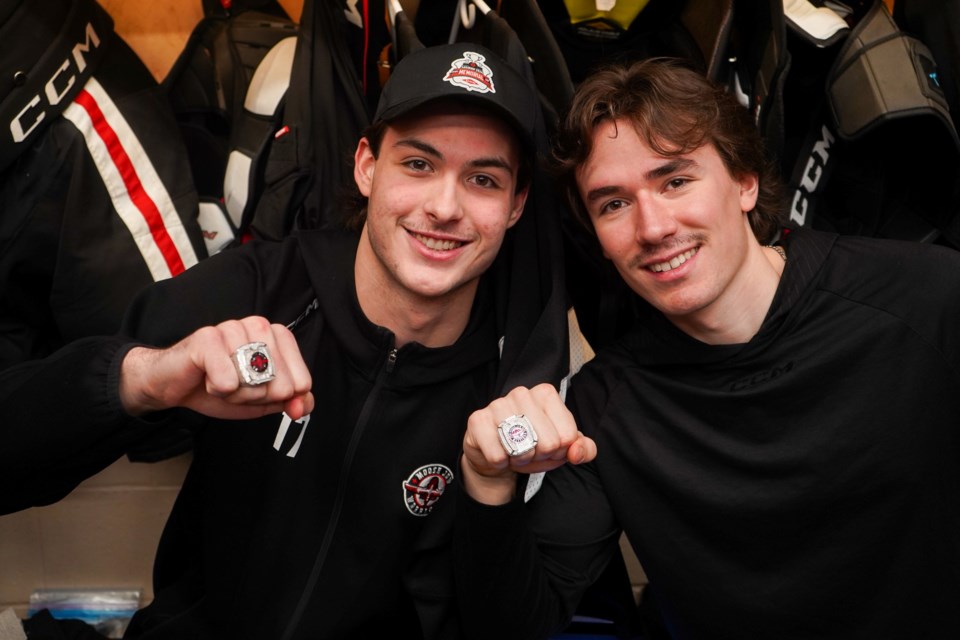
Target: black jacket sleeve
x=63 y=418
x=523 y=567
x=63 y=422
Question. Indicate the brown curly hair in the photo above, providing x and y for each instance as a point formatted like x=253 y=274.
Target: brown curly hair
x=676 y=110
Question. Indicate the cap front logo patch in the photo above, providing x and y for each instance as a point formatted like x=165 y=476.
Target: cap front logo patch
x=470 y=73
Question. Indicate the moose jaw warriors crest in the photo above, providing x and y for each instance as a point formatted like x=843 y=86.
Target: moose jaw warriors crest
x=423 y=488
x=470 y=73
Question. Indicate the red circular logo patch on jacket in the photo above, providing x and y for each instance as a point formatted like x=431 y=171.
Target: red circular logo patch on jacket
x=423 y=488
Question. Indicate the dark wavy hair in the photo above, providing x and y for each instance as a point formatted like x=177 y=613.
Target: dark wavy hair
x=676 y=110
x=351 y=201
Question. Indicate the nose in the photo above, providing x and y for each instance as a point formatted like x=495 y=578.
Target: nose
x=442 y=202
x=654 y=222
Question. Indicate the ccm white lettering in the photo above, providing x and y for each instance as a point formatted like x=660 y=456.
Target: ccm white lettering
x=353 y=14
x=812 y=173
x=21 y=126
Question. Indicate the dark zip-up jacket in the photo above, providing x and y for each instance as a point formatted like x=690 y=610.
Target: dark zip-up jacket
x=342 y=529
x=336 y=528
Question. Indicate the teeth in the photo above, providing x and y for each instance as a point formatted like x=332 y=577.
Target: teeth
x=673 y=264
x=438 y=245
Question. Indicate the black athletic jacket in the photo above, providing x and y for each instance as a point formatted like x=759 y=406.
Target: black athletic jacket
x=339 y=527
x=802 y=485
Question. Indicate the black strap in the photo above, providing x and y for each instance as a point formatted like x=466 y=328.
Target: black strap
x=325 y=111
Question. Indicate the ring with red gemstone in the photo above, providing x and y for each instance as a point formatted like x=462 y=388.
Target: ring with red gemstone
x=253 y=364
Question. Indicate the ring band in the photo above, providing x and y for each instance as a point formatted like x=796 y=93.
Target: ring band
x=253 y=363
x=517 y=435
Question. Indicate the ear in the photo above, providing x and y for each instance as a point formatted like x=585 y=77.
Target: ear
x=363 y=166
x=519 y=200
x=749 y=191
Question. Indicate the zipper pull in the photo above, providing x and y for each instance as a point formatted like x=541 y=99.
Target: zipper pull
x=391 y=360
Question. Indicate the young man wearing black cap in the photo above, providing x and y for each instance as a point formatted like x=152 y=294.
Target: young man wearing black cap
x=354 y=360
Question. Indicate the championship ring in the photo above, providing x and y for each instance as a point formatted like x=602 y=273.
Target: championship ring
x=517 y=435
x=253 y=364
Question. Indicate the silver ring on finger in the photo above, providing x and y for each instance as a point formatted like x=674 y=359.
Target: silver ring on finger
x=517 y=435
x=253 y=363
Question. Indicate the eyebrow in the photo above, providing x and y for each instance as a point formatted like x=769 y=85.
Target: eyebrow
x=492 y=162
x=419 y=145
x=667 y=168
x=602 y=192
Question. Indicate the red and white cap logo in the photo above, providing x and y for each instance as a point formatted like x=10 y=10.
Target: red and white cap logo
x=470 y=73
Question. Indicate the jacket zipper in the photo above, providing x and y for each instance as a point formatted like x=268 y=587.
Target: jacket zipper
x=360 y=427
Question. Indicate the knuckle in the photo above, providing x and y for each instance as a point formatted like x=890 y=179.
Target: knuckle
x=205 y=334
x=257 y=323
x=499 y=409
x=228 y=325
x=544 y=388
x=280 y=389
x=476 y=417
x=516 y=395
x=280 y=330
x=549 y=442
x=305 y=385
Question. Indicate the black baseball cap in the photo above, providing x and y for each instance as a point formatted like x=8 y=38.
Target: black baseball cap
x=464 y=71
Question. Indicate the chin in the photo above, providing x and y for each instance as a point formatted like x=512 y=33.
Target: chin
x=677 y=307
x=429 y=289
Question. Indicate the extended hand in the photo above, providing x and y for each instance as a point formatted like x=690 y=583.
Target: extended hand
x=490 y=472
x=199 y=373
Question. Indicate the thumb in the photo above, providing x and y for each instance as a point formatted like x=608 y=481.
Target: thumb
x=581 y=451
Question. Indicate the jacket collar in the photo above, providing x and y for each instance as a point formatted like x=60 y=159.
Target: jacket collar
x=329 y=258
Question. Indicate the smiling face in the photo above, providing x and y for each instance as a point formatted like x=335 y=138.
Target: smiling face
x=442 y=193
x=675 y=228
